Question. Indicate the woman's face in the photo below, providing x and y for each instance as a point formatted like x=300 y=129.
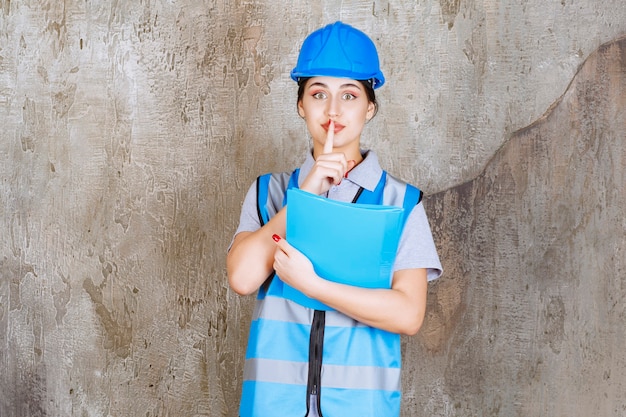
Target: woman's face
x=342 y=100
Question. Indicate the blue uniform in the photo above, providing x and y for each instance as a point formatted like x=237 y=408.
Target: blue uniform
x=304 y=362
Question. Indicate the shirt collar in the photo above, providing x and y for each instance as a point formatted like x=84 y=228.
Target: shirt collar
x=366 y=174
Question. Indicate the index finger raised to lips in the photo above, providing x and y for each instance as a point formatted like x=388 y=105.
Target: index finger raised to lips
x=330 y=138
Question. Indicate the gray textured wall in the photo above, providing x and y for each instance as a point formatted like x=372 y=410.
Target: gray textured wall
x=530 y=318
x=131 y=130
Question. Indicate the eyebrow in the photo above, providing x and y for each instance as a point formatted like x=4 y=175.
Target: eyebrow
x=347 y=85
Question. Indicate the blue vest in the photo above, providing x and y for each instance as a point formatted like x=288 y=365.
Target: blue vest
x=298 y=357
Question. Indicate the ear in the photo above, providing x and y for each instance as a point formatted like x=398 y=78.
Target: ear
x=300 y=109
x=371 y=111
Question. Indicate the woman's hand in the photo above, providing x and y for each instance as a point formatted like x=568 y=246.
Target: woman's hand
x=400 y=309
x=329 y=168
x=292 y=266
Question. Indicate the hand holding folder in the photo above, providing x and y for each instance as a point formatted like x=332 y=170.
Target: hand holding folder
x=348 y=243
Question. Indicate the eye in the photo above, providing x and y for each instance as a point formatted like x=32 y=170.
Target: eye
x=348 y=96
x=319 y=95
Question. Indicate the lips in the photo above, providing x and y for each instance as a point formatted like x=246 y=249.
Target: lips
x=338 y=127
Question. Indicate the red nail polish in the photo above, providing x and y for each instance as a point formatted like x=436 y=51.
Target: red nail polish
x=275 y=237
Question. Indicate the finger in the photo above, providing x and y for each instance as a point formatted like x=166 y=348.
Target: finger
x=281 y=243
x=330 y=138
x=333 y=170
x=351 y=164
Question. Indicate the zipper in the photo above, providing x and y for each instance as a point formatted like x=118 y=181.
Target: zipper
x=316 y=347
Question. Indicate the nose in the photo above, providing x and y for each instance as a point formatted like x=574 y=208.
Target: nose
x=334 y=108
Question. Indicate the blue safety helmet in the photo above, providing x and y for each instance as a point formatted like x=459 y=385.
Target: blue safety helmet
x=339 y=50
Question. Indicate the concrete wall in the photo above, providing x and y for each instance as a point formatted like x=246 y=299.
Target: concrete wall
x=529 y=320
x=131 y=131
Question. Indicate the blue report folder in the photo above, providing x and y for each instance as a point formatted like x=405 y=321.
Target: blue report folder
x=349 y=243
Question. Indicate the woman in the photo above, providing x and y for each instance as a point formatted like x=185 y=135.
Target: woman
x=305 y=362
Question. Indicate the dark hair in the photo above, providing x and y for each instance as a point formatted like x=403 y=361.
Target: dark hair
x=367 y=85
